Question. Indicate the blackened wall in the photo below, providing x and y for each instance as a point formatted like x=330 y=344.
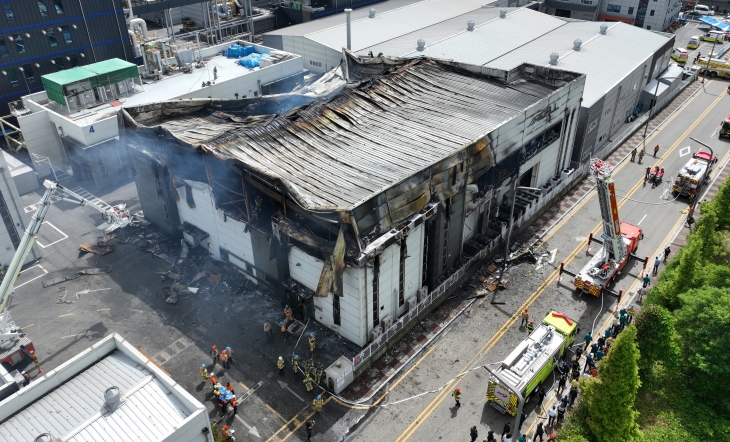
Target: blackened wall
x=100 y=34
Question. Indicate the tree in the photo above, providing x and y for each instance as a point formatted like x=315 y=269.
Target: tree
x=611 y=396
x=702 y=325
x=656 y=338
x=721 y=206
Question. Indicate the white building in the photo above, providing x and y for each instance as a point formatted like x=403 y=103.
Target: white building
x=108 y=392
x=653 y=15
x=14 y=217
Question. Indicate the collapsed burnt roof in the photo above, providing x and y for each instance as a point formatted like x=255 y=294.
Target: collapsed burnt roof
x=401 y=134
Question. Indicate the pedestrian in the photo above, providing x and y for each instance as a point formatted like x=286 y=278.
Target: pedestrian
x=630 y=313
x=601 y=343
x=283 y=329
x=267 y=329
x=229 y=352
x=608 y=333
x=623 y=320
x=565 y=368
x=310 y=428
x=26 y=378
x=641 y=158
x=633 y=155
x=318 y=403
x=523 y=438
x=214 y=355
x=225 y=433
x=541 y=395
x=600 y=355
x=579 y=352
x=457 y=396
x=312 y=344
x=561 y=382
x=641 y=292
x=539 y=432
x=204 y=373
x=229 y=388
x=646 y=280
x=507 y=437
x=224 y=359
x=506 y=429
x=656 y=150
x=667 y=251
x=588 y=338
x=234 y=404
x=531 y=326
x=561 y=413
x=523 y=416
x=295 y=363
x=657 y=261
x=490 y=436
x=589 y=361
x=594 y=348
x=288 y=313
x=573 y=394
x=551 y=416
x=473 y=433
x=280 y=365
x=564 y=401
x=525 y=317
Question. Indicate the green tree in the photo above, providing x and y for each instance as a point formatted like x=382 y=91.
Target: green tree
x=656 y=338
x=702 y=325
x=611 y=396
x=721 y=206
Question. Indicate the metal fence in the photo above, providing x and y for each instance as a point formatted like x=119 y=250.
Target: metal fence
x=567 y=181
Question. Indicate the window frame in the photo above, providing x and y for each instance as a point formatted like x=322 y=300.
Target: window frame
x=16 y=39
x=51 y=35
x=58 y=6
x=613 y=8
x=9 y=17
x=28 y=73
x=65 y=29
x=13 y=74
x=4 y=53
x=41 y=6
x=631 y=10
x=651 y=13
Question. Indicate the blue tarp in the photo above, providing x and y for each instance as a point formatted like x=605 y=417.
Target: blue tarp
x=251 y=61
x=721 y=25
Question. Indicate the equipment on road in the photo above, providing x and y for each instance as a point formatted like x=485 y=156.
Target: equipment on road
x=14 y=344
x=620 y=239
x=695 y=173
x=725 y=125
x=531 y=362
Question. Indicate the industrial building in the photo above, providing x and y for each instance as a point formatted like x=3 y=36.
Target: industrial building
x=502 y=38
x=110 y=391
x=71 y=126
x=14 y=218
x=358 y=201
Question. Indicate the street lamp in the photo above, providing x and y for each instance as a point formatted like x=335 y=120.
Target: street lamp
x=704 y=180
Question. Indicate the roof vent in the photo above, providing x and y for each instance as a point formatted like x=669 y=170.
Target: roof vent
x=576 y=44
x=502 y=13
x=554 y=58
x=371 y=13
x=45 y=437
x=421 y=45
x=112 y=397
x=470 y=25
x=604 y=29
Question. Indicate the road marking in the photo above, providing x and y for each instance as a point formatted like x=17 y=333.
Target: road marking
x=244 y=386
x=54 y=242
x=138 y=311
x=27 y=326
x=276 y=413
x=285 y=386
x=251 y=430
x=416 y=423
x=45 y=272
x=685 y=151
x=103 y=309
x=642 y=219
x=67 y=314
x=298 y=423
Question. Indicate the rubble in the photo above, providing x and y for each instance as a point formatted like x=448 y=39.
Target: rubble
x=96 y=250
x=70 y=276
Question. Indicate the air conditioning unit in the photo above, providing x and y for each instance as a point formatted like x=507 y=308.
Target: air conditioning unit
x=377 y=331
x=422 y=293
x=412 y=303
x=387 y=322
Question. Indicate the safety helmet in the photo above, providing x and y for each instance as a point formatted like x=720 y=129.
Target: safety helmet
x=311 y=335
x=281 y=322
x=223 y=352
x=202 y=366
x=319 y=396
x=225 y=426
x=287 y=305
x=526 y=309
x=280 y=358
x=228 y=349
x=296 y=356
x=458 y=390
x=632 y=305
x=532 y=321
x=214 y=346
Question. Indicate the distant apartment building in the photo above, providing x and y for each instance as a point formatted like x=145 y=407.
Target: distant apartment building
x=575 y=9
x=653 y=15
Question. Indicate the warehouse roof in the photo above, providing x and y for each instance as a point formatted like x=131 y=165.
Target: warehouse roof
x=605 y=59
x=339 y=153
x=69 y=403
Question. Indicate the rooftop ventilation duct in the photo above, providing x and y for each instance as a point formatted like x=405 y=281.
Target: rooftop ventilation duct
x=577 y=43
x=604 y=29
x=112 y=397
x=502 y=13
x=554 y=58
x=470 y=25
x=371 y=13
x=348 y=15
x=421 y=44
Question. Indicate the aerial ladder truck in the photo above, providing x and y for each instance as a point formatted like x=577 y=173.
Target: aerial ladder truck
x=619 y=242
x=14 y=344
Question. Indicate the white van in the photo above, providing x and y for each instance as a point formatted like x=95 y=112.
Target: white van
x=702 y=10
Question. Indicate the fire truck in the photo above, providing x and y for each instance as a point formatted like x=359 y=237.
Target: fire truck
x=14 y=344
x=725 y=128
x=531 y=362
x=694 y=174
x=619 y=240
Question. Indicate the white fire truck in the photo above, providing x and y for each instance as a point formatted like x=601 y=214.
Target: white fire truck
x=694 y=174
x=14 y=344
x=620 y=240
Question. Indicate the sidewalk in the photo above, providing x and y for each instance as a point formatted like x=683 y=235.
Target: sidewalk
x=387 y=367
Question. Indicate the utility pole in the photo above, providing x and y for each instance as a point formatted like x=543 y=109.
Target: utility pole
x=651 y=110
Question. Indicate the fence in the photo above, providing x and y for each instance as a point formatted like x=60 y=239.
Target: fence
x=566 y=181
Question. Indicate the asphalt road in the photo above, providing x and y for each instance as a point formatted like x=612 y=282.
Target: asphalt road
x=491 y=332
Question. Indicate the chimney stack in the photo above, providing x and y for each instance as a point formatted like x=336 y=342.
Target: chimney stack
x=348 y=13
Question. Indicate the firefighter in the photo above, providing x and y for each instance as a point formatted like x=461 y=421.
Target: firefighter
x=525 y=317
x=308 y=382
x=283 y=330
x=309 y=367
x=214 y=354
x=531 y=326
x=229 y=352
x=26 y=378
x=224 y=359
x=234 y=404
x=295 y=363
x=630 y=313
x=225 y=433
x=319 y=373
x=641 y=157
x=229 y=387
x=656 y=150
x=633 y=155
x=204 y=373
x=457 y=396
x=312 y=343
x=317 y=403
x=280 y=365
x=288 y=313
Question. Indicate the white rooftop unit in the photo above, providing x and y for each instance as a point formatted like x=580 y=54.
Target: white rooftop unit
x=108 y=392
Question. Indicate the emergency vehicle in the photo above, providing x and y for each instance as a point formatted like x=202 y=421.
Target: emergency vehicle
x=694 y=42
x=694 y=174
x=530 y=363
x=620 y=239
x=713 y=36
x=725 y=128
x=714 y=67
x=680 y=55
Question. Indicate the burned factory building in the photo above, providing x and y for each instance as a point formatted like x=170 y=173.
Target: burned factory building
x=355 y=202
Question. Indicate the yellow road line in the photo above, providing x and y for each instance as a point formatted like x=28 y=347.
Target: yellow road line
x=275 y=412
x=67 y=314
x=244 y=386
x=398 y=381
x=416 y=423
x=297 y=423
x=27 y=326
x=103 y=310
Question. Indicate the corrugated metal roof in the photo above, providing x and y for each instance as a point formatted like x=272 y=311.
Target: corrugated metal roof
x=68 y=409
x=605 y=59
x=494 y=38
x=367 y=32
